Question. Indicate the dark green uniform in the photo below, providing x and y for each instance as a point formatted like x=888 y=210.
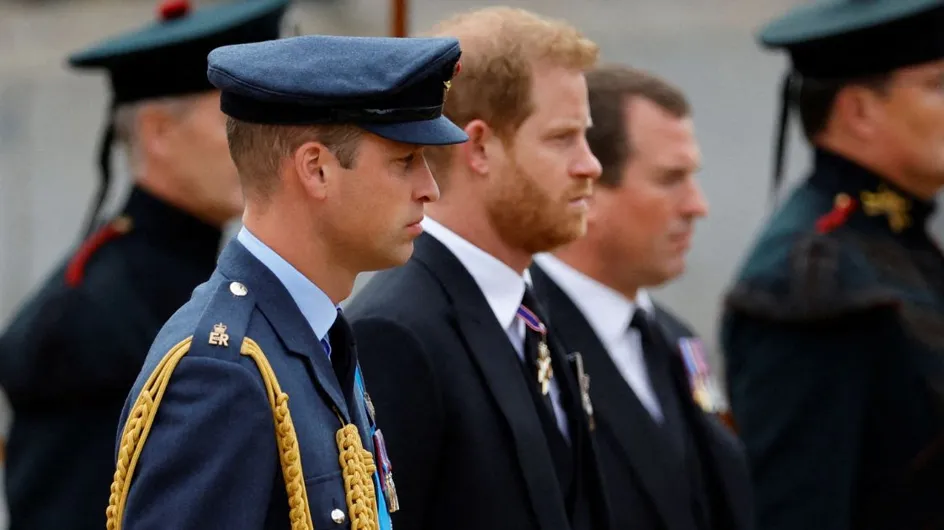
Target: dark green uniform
x=834 y=340
x=833 y=331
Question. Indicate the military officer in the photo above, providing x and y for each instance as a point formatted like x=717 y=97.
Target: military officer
x=834 y=329
x=71 y=354
x=250 y=411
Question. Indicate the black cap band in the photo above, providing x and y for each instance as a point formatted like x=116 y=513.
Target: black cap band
x=280 y=113
x=872 y=51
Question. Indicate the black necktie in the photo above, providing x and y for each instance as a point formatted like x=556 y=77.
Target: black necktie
x=340 y=352
x=537 y=351
x=658 y=366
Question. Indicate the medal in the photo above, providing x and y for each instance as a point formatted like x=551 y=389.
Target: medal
x=704 y=390
x=583 y=380
x=545 y=370
x=385 y=469
x=371 y=411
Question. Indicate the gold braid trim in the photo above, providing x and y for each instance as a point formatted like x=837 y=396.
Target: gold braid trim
x=357 y=467
x=299 y=513
x=145 y=409
x=136 y=431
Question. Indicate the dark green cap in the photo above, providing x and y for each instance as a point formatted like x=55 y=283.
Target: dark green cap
x=851 y=39
x=168 y=56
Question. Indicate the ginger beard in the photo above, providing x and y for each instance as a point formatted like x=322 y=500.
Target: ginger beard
x=530 y=217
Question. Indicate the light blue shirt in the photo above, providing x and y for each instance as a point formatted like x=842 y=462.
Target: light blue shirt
x=313 y=303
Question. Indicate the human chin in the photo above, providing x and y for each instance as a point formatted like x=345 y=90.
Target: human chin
x=399 y=254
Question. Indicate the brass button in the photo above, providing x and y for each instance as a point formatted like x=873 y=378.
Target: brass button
x=238 y=289
x=337 y=516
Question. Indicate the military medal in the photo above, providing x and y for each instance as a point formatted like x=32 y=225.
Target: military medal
x=385 y=469
x=583 y=380
x=704 y=390
x=545 y=372
x=371 y=411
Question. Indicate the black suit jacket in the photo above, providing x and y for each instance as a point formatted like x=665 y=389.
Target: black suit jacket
x=643 y=495
x=466 y=443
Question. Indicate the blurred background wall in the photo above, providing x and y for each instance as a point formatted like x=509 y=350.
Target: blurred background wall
x=50 y=118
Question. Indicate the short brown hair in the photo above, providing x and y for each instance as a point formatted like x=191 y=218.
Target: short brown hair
x=258 y=149
x=611 y=88
x=500 y=46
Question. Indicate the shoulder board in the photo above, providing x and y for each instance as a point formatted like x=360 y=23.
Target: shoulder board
x=224 y=322
x=114 y=229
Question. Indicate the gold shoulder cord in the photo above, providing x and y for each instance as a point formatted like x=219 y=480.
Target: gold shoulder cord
x=356 y=463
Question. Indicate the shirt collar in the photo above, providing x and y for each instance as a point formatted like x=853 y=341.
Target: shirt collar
x=313 y=303
x=502 y=286
x=608 y=312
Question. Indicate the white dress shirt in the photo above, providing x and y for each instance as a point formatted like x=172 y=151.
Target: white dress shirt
x=503 y=289
x=609 y=313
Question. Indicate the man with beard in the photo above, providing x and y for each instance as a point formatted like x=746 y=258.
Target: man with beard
x=834 y=329
x=669 y=463
x=74 y=349
x=484 y=411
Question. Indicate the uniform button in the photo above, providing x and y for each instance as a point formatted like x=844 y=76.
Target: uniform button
x=238 y=289
x=337 y=516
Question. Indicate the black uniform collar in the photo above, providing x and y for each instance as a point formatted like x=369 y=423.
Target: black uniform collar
x=878 y=200
x=167 y=226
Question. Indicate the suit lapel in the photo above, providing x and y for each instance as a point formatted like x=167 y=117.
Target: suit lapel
x=617 y=409
x=490 y=350
x=278 y=307
x=719 y=462
x=719 y=458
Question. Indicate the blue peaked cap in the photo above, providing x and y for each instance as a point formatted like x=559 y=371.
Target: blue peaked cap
x=392 y=87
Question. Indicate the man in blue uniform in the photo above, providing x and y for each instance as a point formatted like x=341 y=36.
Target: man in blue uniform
x=250 y=412
x=834 y=330
x=71 y=354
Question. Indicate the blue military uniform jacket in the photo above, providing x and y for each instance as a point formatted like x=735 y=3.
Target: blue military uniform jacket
x=211 y=458
x=834 y=339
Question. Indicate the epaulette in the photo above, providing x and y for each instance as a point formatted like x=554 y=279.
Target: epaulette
x=224 y=322
x=75 y=270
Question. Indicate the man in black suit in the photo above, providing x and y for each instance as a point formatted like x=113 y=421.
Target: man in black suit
x=667 y=463
x=481 y=410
